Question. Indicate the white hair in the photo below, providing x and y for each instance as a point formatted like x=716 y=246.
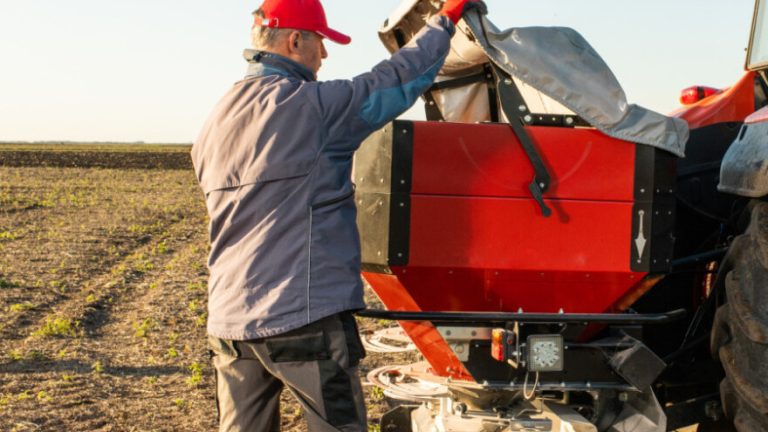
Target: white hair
x=264 y=38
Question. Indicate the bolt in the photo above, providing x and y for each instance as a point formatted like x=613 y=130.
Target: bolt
x=522 y=108
x=568 y=120
x=431 y=103
x=405 y=131
x=402 y=204
x=402 y=181
x=460 y=409
x=399 y=255
x=712 y=410
x=642 y=190
x=447 y=332
x=623 y=396
x=528 y=118
x=508 y=81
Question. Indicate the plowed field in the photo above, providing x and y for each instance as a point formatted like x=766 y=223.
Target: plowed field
x=103 y=293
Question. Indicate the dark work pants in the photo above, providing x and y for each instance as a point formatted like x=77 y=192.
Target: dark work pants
x=318 y=363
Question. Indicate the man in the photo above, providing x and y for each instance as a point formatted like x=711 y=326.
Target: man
x=274 y=161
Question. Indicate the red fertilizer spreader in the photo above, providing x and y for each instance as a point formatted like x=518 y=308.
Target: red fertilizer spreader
x=449 y=224
x=539 y=242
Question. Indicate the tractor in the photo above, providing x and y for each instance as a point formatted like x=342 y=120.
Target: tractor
x=564 y=260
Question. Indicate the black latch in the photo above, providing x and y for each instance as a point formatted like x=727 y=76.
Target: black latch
x=515 y=108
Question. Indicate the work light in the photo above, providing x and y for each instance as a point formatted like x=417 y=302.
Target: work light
x=545 y=353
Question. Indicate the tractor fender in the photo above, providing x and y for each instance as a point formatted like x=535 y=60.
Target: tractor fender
x=744 y=170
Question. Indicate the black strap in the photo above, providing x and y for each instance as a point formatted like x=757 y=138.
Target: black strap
x=459 y=82
x=515 y=108
x=493 y=96
x=430 y=108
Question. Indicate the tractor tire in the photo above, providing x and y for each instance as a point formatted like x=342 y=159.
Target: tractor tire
x=740 y=331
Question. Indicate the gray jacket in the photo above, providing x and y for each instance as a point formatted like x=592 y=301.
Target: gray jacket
x=274 y=160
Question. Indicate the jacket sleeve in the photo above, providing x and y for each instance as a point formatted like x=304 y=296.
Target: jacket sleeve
x=353 y=109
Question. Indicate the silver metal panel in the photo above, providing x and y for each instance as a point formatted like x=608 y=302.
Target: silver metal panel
x=744 y=170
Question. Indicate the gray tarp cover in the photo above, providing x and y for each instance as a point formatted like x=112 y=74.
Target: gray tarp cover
x=556 y=61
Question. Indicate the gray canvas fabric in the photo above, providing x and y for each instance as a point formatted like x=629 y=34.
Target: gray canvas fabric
x=556 y=61
x=274 y=161
x=560 y=63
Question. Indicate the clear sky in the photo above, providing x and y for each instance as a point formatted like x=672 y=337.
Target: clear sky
x=151 y=70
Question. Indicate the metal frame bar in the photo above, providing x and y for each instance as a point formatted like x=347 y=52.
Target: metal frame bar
x=713 y=255
x=504 y=317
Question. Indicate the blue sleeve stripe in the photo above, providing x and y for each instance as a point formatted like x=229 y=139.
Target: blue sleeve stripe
x=384 y=105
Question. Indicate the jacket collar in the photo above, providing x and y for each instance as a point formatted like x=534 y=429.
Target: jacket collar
x=263 y=63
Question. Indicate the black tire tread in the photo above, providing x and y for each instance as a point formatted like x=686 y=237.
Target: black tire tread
x=740 y=332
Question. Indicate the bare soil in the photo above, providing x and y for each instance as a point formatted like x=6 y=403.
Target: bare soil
x=103 y=293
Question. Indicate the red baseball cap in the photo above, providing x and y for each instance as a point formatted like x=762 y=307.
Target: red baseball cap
x=299 y=15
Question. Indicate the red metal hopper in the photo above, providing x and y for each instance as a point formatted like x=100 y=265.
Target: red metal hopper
x=448 y=223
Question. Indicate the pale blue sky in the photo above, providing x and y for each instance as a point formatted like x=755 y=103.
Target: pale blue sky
x=150 y=70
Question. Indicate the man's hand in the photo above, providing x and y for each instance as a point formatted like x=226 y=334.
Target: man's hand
x=454 y=9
